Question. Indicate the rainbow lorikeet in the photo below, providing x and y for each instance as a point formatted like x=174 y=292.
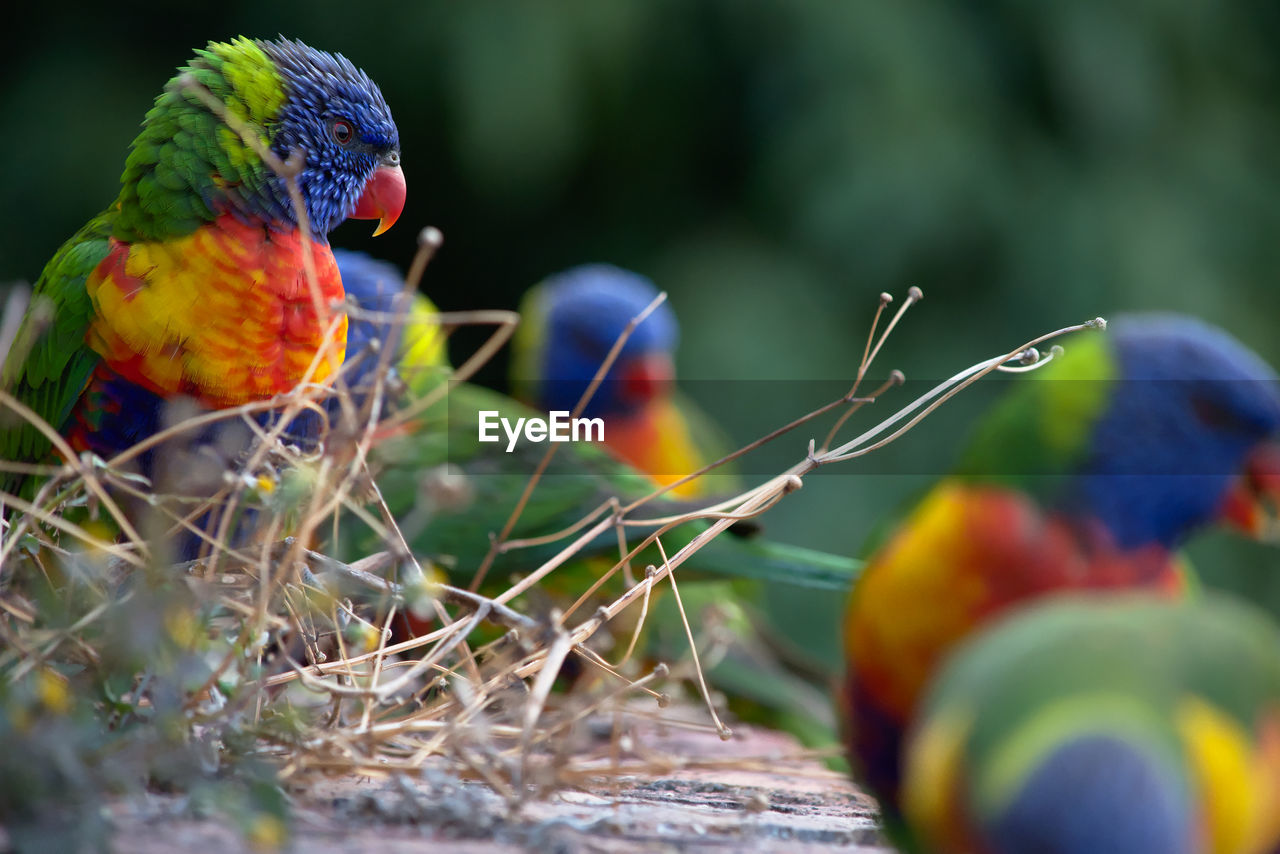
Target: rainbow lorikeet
x=450 y=491
x=192 y=282
x=568 y=323
x=1089 y=475
x=1117 y=724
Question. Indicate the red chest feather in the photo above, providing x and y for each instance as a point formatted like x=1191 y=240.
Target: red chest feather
x=226 y=314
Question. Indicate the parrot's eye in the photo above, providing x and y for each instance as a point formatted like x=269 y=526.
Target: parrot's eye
x=1217 y=416
x=342 y=132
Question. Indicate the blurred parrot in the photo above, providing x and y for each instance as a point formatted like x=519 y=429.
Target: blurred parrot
x=192 y=282
x=568 y=324
x=450 y=492
x=1117 y=724
x=1090 y=474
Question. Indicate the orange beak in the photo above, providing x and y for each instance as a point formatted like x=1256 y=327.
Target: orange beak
x=383 y=195
x=1254 y=501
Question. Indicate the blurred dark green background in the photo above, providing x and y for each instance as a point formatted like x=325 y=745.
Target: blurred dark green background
x=774 y=165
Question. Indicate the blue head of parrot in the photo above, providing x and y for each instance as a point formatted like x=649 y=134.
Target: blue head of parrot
x=583 y=311
x=1188 y=425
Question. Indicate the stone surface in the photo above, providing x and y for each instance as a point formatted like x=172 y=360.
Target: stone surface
x=761 y=801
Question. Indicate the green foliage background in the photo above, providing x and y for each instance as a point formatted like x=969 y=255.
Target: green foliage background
x=774 y=164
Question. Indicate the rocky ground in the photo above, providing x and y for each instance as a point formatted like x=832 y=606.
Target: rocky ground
x=766 y=802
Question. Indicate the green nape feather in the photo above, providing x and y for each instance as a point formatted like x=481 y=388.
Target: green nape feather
x=1035 y=431
x=1041 y=428
x=1107 y=724
x=185 y=153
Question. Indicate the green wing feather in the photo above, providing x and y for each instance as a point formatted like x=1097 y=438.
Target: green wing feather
x=50 y=363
